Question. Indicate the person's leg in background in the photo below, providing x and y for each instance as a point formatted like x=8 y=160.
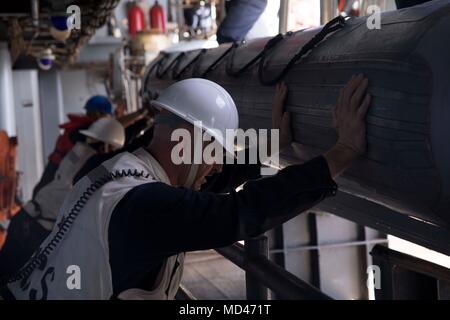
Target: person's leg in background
x=240 y=18
x=409 y=3
x=24 y=235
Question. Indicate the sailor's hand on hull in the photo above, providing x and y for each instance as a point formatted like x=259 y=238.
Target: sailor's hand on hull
x=281 y=119
x=350 y=114
x=349 y=120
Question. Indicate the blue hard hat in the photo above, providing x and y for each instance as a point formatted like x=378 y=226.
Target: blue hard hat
x=59 y=22
x=99 y=104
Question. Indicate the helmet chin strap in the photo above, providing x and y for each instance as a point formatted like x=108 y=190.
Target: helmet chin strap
x=193 y=170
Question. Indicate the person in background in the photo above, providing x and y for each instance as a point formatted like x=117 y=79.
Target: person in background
x=135 y=136
x=240 y=18
x=96 y=107
x=138 y=129
x=409 y=3
x=36 y=219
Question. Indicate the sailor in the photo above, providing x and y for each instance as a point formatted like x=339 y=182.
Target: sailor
x=241 y=15
x=96 y=107
x=127 y=225
x=35 y=220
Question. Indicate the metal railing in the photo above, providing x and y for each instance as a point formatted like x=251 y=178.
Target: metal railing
x=262 y=274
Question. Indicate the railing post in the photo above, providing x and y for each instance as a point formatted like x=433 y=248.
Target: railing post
x=283 y=283
x=256 y=248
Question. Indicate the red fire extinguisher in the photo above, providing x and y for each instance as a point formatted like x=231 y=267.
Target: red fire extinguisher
x=157 y=18
x=136 y=19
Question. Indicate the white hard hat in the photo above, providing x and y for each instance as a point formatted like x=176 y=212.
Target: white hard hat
x=107 y=130
x=202 y=100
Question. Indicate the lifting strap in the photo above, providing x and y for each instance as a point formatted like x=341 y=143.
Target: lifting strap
x=269 y=45
x=332 y=26
x=160 y=73
x=214 y=64
x=176 y=74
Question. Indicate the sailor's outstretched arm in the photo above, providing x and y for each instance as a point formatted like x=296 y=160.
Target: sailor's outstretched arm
x=158 y=219
x=162 y=220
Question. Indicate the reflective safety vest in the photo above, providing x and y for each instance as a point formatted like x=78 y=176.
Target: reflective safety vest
x=46 y=203
x=64 y=143
x=73 y=262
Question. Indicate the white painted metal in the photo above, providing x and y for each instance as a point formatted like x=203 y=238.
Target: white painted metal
x=7 y=121
x=52 y=110
x=28 y=118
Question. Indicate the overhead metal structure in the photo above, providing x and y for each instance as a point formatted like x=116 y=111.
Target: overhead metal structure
x=26 y=26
